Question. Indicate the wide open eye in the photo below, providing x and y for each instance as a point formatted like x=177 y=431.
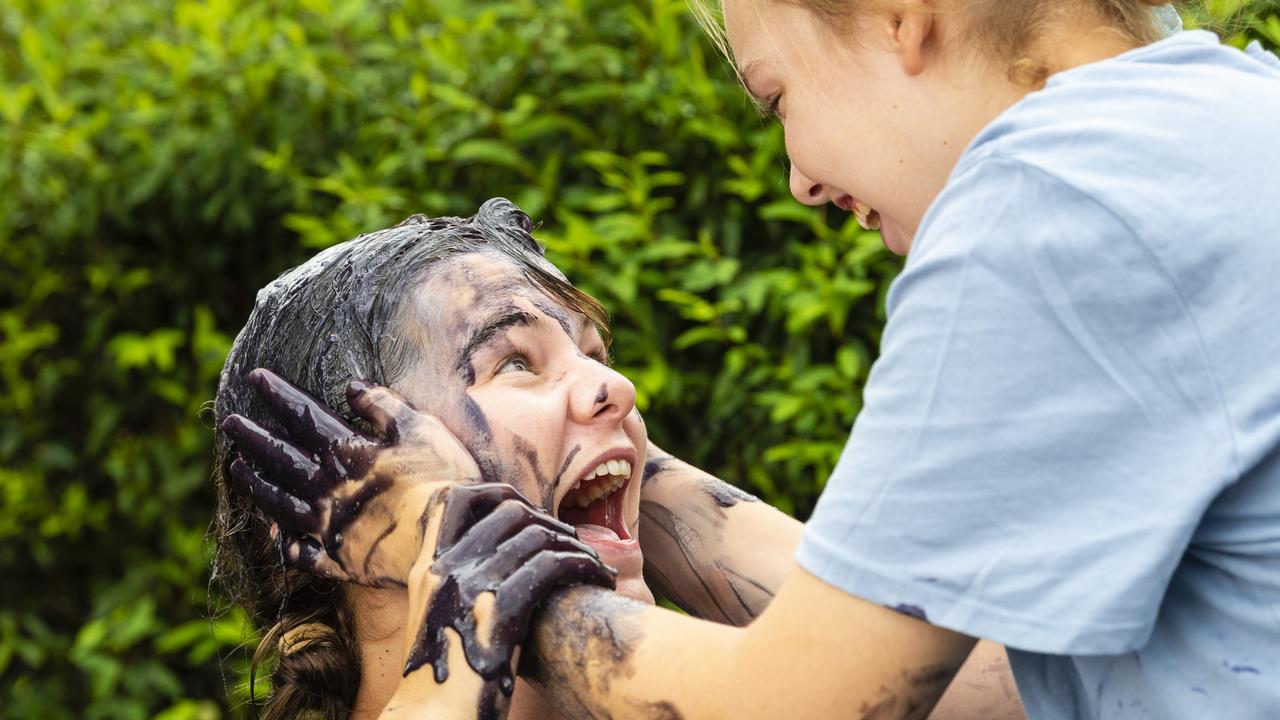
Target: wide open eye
x=516 y=362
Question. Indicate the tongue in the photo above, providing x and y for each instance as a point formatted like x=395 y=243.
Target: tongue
x=587 y=533
x=605 y=513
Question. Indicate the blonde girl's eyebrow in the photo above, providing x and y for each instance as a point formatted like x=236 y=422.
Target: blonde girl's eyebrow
x=745 y=73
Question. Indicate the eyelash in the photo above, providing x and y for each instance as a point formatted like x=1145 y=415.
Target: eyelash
x=528 y=365
x=512 y=358
x=771 y=106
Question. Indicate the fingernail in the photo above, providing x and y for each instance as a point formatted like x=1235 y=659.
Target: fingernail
x=358 y=386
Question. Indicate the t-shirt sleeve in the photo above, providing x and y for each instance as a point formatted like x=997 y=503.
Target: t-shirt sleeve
x=1041 y=433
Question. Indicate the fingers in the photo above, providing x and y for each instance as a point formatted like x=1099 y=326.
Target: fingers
x=515 y=551
x=383 y=408
x=548 y=570
x=480 y=517
x=286 y=464
x=306 y=554
x=465 y=505
x=309 y=422
x=292 y=513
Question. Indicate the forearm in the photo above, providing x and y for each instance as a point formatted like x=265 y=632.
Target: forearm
x=984 y=689
x=596 y=654
x=721 y=555
x=817 y=652
x=714 y=550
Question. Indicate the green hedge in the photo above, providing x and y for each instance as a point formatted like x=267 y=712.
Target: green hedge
x=161 y=161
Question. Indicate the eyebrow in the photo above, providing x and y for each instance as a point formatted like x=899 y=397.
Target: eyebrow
x=744 y=76
x=559 y=315
x=510 y=317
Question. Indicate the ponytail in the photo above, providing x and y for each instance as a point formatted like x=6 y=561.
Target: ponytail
x=317 y=670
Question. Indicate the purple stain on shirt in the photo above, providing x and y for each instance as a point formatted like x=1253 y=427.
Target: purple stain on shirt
x=914 y=611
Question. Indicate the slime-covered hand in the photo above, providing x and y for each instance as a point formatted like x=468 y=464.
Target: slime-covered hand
x=477 y=559
x=496 y=559
x=350 y=507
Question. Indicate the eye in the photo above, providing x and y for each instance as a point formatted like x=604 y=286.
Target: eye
x=773 y=106
x=516 y=362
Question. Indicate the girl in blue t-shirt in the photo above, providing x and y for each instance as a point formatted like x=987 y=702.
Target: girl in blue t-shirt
x=1070 y=443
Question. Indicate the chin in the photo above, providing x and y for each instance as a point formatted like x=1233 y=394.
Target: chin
x=634 y=588
x=895 y=238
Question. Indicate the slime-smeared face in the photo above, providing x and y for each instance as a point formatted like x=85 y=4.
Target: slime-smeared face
x=524 y=383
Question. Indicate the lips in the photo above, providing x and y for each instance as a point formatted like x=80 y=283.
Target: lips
x=868 y=218
x=595 y=505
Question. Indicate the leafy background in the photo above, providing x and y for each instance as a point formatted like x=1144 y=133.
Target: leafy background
x=160 y=160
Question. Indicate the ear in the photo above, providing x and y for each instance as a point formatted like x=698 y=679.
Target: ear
x=913 y=26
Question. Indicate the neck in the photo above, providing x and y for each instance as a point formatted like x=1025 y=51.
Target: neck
x=1082 y=45
x=974 y=103
x=380 y=622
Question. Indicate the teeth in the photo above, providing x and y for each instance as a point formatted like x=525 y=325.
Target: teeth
x=611 y=467
x=868 y=219
x=606 y=478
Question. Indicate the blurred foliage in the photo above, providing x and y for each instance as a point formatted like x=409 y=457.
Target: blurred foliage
x=160 y=160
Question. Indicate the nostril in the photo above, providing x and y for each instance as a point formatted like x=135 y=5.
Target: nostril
x=815 y=191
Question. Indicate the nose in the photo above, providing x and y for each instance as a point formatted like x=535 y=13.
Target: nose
x=601 y=395
x=806 y=190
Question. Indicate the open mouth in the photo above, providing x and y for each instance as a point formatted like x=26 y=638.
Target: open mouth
x=867 y=217
x=594 y=504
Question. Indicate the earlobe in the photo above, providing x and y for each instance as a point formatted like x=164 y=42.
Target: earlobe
x=912 y=28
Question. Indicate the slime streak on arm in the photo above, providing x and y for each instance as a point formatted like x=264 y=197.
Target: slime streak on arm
x=683 y=535
x=925 y=685
x=580 y=642
x=708 y=595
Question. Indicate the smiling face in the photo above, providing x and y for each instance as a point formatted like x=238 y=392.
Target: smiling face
x=875 y=114
x=524 y=383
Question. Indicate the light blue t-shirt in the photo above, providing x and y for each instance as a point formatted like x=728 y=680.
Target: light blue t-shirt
x=1071 y=441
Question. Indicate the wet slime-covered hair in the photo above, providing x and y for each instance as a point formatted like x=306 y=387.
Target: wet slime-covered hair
x=335 y=318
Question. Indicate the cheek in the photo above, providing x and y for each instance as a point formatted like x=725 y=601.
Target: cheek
x=828 y=139
x=527 y=414
x=634 y=427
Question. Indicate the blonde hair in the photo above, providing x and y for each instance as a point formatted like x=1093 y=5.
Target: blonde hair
x=1007 y=31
